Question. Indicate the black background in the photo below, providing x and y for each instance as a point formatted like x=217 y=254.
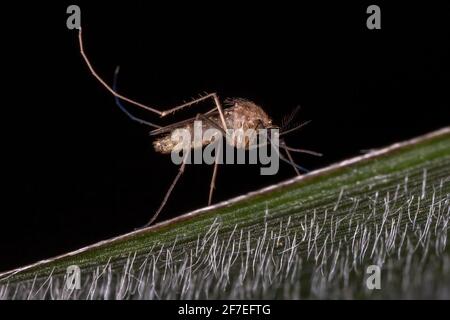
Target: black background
x=78 y=170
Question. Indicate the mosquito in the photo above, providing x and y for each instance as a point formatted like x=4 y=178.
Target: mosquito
x=238 y=113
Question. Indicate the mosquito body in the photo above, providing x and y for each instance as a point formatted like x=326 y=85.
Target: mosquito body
x=239 y=115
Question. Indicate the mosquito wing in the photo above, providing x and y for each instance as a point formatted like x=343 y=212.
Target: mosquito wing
x=181 y=124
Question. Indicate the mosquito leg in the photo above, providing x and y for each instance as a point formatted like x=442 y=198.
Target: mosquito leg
x=211 y=122
x=119 y=104
x=188 y=104
x=214 y=176
x=103 y=83
x=216 y=162
x=293 y=164
x=166 y=197
x=180 y=172
x=313 y=153
x=212 y=110
x=291 y=160
x=141 y=105
x=220 y=109
x=213 y=183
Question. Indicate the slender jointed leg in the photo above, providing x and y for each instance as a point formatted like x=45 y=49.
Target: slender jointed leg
x=208 y=96
x=212 y=123
x=181 y=171
x=214 y=176
x=166 y=197
x=313 y=153
x=218 y=154
x=292 y=161
x=141 y=105
x=102 y=82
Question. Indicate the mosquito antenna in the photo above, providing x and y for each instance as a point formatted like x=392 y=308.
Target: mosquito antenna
x=287 y=119
x=295 y=128
x=122 y=107
x=113 y=92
